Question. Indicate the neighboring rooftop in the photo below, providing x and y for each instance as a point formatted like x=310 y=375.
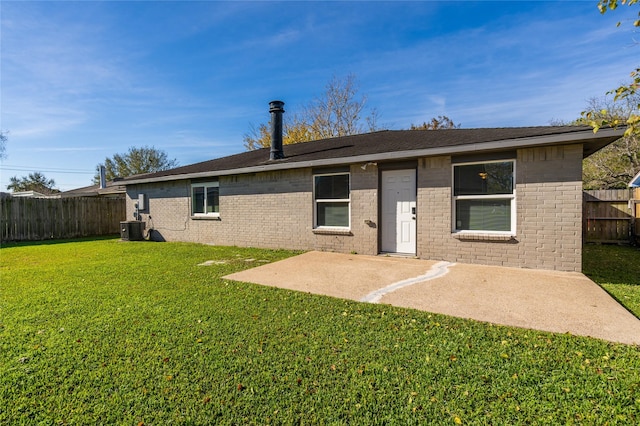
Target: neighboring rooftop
x=32 y=194
x=635 y=182
x=112 y=188
x=389 y=145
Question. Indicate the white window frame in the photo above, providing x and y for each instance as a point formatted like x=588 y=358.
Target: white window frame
x=205 y=186
x=339 y=200
x=511 y=197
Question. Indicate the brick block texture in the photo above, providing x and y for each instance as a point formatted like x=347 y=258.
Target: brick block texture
x=267 y=210
x=275 y=210
x=548 y=213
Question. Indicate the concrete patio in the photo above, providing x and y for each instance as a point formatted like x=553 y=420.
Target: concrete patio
x=561 y=302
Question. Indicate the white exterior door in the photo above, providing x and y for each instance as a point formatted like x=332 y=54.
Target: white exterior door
x=398 y=210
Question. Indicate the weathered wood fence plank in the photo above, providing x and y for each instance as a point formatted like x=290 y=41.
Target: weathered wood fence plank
x=608 y=216
x=33 y=219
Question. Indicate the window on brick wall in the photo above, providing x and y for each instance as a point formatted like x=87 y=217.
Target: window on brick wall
x=205 y=199
x=331 y=197
x=484 y=197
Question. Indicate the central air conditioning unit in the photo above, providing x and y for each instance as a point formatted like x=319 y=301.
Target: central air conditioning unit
x=132 y=230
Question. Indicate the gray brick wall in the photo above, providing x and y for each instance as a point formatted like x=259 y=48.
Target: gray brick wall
x=548 y=213
x=270 y=210
x=275 y=210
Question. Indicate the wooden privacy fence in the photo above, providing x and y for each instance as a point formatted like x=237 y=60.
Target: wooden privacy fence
x=609 y=216
x=33 y=219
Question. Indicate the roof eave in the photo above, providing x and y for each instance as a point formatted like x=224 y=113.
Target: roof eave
x=591 y=141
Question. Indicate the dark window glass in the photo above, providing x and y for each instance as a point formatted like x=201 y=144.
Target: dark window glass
x=483 y=215
x=198 y=199
x=332 y=214
x=205 y=199
x=332 y=187
x=213 y=199
x=483 y=179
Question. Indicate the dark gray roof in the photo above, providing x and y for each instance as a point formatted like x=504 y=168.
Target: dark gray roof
x=390 y=145
x=112 y=188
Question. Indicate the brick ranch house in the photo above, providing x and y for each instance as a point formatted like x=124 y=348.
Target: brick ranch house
x=496 y=196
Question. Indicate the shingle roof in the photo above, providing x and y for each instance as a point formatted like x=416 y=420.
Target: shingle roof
x=394 y=144
x=112 y=188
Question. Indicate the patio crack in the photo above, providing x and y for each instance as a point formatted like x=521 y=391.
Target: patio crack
x=436 y=271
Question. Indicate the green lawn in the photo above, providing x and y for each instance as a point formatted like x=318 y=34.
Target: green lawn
x=137 y=333
x=617 y=270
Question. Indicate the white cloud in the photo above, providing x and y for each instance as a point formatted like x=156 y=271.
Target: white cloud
x=53 y=67
x=190 y=77
x=512 y=72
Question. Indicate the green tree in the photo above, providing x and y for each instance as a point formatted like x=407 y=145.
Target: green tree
x=337 y=112
x=605 y=5
x=441 y=122
x=616 y=164
x=135 y=161
x=625 y=91
x=36 y=181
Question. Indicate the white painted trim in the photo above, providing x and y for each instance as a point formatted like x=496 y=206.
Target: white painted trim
x=204 y=185
x=512 y=197
x=331 y=200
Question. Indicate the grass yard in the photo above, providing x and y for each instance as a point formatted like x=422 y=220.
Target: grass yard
x=617 y=270
x=106 y=332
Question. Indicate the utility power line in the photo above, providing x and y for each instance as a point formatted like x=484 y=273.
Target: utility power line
x=47 y=170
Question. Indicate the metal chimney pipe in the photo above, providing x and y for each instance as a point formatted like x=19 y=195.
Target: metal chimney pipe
x=103 y=177
x=276 y=109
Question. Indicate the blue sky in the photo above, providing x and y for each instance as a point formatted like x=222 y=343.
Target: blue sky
x=81 y=81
